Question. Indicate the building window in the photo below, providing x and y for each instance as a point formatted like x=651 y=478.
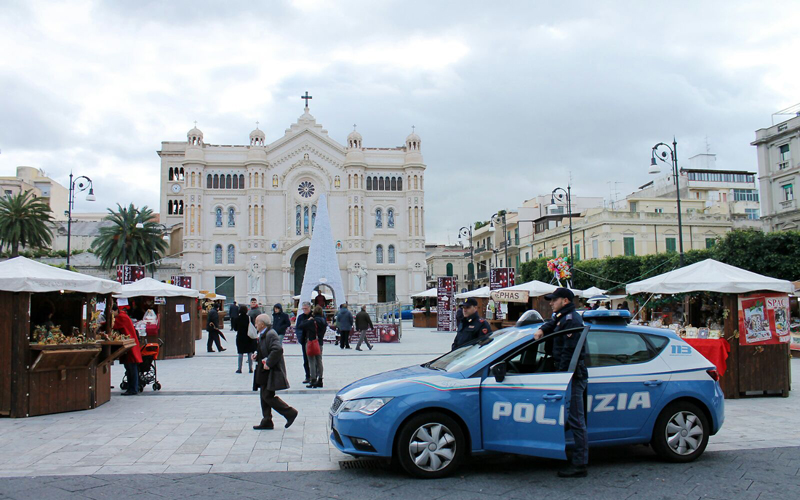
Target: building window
x=231 y=254
x=785 y=157
x=378 y=218
x=390 y=218
x=380 y=184
x=671 y=247
x=745 y=195
x=630 y=248
x=516 y=236
x=218 y=220
x=555 y=253
x=527 y=256
x=297 y=221
x=228 y=182
x=721 y=177
x=633 y=206
x=216 y=181
x=231 y=217
x=241 y=181
x=394 y=183
x=180 y=207
x=313 y=216
x=218 y=254
x=305 y=220
x=275 y=181
x=595 y=249
x=399 y=183
x=449 y=269
x=235 y=182
x=379 y=254
x=659 y=210
x=369 y=183
x=471 y=271
x=752 y=213
x=564 y=252
x=209 y=183
x=788 y=192
x=710 y=242
x=391 y=254
x=577 y=252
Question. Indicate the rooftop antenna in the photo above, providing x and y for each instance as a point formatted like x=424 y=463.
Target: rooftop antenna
x=613 y=193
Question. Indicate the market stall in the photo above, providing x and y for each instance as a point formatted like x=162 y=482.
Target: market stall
x=738 y=319
x=513 y=301
x=424 y=313
x=206 y=300
x=174 y=315
x=55 y=351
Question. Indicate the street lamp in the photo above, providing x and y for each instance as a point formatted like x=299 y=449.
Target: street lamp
x=465 y=232
x=662 y=156
x=81 y=183
x=564 y=194
x=497 y=217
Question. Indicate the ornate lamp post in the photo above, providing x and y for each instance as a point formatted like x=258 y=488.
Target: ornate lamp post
x=81 y=183
x=660 y=152
x=565 y=194
x=466 y=232
x=497 y=218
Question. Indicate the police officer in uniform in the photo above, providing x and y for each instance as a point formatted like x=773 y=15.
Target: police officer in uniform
x=472 y=327
x=564 y=318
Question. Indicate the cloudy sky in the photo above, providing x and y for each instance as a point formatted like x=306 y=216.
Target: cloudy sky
x=511 y=99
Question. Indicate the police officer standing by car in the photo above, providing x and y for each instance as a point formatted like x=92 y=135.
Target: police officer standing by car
x=564 y=318
x=472 y=327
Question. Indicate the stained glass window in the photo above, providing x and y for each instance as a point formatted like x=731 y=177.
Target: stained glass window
x=298 y=229
x=231 y=254
x=218 y=212
x=378 y=218
x=379 y=254
x=391 y=254
x=231 y=217
x=390 y=218
x=218 y=254
x=313 y=216
x=306 y=189
x=305 y=219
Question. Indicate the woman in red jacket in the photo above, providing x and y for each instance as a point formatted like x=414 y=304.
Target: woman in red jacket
x=131 y=360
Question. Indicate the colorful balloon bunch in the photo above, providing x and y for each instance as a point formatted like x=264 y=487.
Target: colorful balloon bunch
x=560 y=268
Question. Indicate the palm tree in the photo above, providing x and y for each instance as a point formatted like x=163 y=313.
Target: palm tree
x=24 y=222
x=134 y=238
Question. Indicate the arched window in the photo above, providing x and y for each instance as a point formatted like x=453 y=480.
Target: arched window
x=235 y=182
x=193 y=179
x=228 y=181
x=208 y=182
x=255 y=220
x=380 y=184
x=218 y=254
x=231 y=217
x=170 y=175
x=275 y=180
x=297 y=222
x=388 y=184
x=181 y=176
x=305 y=219
x=216 y=181
x=378 y=218
x=169 y=207
x=369 y=183
x=241 y=181
x=231 y=254
x=180 y=207
x=374 y=183
x=449 y=269
x=399 y=183
x=391 y=254
x=394 y=183
x=313 y=216
x=390 y=218
x=379 y=254
x=218 y=213
x=416 y=182
x=356 y=225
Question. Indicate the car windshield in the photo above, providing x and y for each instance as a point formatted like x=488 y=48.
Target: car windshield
x=472 y=354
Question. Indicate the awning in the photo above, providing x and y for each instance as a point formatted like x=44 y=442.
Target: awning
x=534 y=288
x=149 y=287
x=21 y=274
x=479 y=293
x=430 y=292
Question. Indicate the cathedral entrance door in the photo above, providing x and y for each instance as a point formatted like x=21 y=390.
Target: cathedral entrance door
x=299 y=272
x=386 y=290
x=224 y=285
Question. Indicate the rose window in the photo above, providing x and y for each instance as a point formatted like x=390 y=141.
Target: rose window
x=306 y=189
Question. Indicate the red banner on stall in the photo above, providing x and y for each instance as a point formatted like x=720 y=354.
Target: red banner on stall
x=446 y=304
x=764 y=319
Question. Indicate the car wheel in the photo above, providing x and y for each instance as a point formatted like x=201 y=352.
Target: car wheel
x=681 y=432
x=431 y=445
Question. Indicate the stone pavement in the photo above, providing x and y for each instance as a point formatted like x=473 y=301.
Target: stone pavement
x=201 y=421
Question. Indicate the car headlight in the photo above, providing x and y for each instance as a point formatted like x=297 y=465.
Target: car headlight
x=366 y=406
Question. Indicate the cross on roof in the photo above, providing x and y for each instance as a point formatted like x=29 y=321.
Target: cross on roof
x=354 y=127
x=195 y=124
x=306 y=97
x=413 y=129
x=256 y=124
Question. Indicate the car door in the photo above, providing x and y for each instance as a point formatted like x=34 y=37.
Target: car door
x=626 y=381
x=524 y=412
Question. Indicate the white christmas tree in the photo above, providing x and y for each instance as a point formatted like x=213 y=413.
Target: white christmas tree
x=322 y=267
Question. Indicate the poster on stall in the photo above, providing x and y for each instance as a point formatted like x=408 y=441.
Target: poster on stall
x=795 y=337
x=764 y=319
x=127 y=274
x=501 y=277
x=446 y=304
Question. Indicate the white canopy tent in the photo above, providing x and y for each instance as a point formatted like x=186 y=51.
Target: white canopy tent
x=149 y=287
x=314 y=294
x=479 y=293
x=710 y=276
x=534 y=288
x=429 y=293
x=24 y=275
x=591 y=292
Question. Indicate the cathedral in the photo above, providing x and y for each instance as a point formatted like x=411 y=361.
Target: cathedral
x=244 y=214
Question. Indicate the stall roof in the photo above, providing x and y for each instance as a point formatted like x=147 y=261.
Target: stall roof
x=430 y=292
x=591 y=292
x=24 y=275
x=148 y=287
x=709 y=276
x=534 y=288
x=479 y=293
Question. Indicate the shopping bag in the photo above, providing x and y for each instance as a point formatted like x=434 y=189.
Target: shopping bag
x=251 y=329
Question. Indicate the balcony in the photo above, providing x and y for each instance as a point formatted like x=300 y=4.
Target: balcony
x=788 y=205
x=482 y=275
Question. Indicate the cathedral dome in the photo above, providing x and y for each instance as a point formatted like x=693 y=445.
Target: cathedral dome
x=195 y=136
x=354 y=140
x=413 y=142
x=257 y=137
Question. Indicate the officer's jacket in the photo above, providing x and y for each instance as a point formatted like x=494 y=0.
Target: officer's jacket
x=564 y=345
x=471 y=328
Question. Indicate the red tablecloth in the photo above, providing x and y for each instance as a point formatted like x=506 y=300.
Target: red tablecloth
x=714 y=350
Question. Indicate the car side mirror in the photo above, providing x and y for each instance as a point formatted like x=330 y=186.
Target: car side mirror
x=499 y=371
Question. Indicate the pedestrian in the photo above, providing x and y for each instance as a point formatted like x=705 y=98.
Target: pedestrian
x=245 y=346
x=254 y=310
x=314 y=329
x=133 y=357
x=344 y=323
x=459 y=316
x=212 y=327
x=363 y=323
x=280 y=321
x=299 y=331
x=233 y=314
x=564 y=318
x=270 y=375
x=473 y=327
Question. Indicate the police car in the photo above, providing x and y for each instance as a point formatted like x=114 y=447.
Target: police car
x=646 y=385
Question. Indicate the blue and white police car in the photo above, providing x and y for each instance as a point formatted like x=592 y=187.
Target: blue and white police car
x=646 y=385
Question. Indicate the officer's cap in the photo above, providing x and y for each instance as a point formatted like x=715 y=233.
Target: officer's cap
x=564 y=293
x=470 y=302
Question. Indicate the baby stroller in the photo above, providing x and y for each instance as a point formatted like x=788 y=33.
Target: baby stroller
x=148 y=372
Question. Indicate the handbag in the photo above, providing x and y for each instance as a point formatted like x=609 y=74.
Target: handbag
x=312 y=346
x=251 y=330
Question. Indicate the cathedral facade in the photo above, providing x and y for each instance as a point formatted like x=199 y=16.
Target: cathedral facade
x=243 y=215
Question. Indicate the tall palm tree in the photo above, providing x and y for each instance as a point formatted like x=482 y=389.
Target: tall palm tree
x=135 y=238
x=24 y=222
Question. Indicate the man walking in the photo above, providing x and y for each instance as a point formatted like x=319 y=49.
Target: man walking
x=212 y=327
x=564 y=318
x=280 y=321
x=233 y=314
x=363 y=323
x=344 y=323
x=270 y=375
x=254 y=311
x=299 y=325
x=472 y=327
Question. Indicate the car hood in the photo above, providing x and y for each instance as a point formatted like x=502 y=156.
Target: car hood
x=394 y=383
